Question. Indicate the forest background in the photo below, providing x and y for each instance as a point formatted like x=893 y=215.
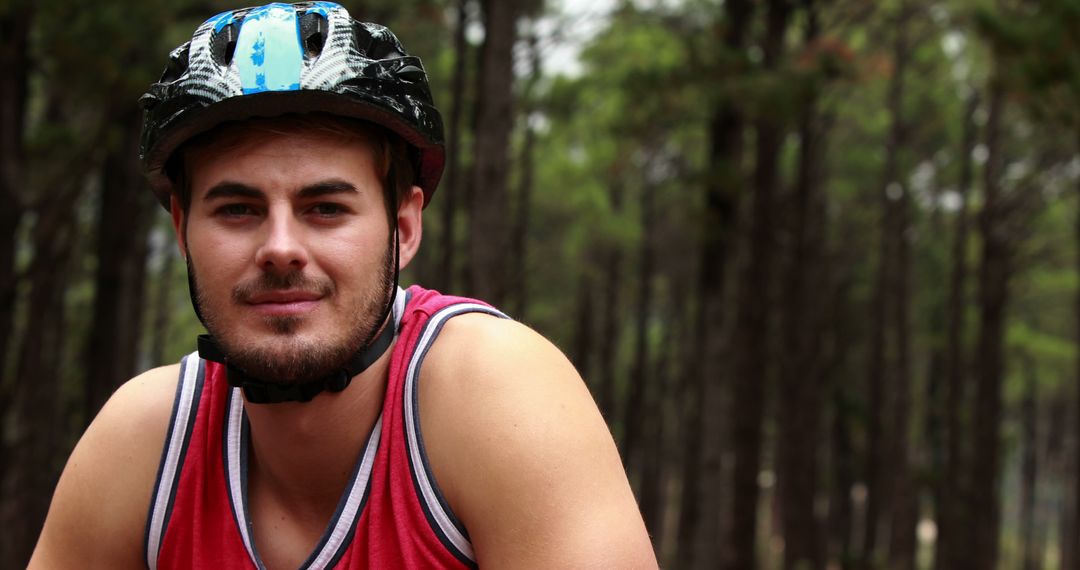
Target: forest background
x=817 y=259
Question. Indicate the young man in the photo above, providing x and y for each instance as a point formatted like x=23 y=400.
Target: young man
x=330 y=419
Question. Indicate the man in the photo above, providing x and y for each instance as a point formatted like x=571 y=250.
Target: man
x=330 y=419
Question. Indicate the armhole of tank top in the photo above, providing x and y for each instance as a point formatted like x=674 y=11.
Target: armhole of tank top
x=446 y=526
x=185 y=409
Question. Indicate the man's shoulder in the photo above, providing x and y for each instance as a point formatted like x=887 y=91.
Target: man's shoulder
x=141 y=405
x=103 y=496
x=521 y=452
x=475 y=348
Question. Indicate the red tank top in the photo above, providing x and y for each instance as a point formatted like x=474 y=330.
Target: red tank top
x=391 y=515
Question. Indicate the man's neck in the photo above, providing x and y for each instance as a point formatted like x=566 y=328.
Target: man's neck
x=302 y=454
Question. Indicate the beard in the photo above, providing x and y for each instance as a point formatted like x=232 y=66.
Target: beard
x=288 y=358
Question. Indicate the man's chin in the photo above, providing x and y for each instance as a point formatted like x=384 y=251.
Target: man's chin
x=283 y=325
x=286 y=358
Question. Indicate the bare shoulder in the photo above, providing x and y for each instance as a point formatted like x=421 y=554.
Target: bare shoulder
x=521 y=452
x=98 y=512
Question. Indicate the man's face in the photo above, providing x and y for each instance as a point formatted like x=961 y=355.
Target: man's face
x=288 y=240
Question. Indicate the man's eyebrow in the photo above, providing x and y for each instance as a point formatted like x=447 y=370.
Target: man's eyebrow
x=232 y=190
x=327 y=187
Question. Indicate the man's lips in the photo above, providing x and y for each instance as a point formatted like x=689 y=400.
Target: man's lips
x=284 y=302
x=283 y=297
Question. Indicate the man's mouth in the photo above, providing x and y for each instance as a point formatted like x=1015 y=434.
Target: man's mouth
x=284 y=303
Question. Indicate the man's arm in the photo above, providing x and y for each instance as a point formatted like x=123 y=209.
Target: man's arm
x=522 y=454
x=98 y=513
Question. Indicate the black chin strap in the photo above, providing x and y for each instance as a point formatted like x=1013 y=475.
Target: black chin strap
x=261 y=392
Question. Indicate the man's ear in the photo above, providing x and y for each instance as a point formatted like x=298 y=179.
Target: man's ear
x=177 y=214
x=410 y=224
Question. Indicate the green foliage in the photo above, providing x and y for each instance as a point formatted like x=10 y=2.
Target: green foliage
x=1039 y=51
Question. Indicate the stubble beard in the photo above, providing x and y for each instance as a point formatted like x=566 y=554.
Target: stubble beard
x=286 y=358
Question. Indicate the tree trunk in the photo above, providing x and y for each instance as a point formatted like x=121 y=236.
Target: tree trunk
x=582 y=350
x=953 y=487
x=15 y=23
x=702 y=496
x=844 y=332
x=800 y=394
x=1067 y=525
x=641 y=386
x=451 y=186
x=663 y=443
x=752 y=321
x=609 y=319
x=651 y=458
x=489 y=234
x=890 y=494
x=1053 y=450
x=1029 y=467
x=876 y=380
x=125 y=210
x=984 y=509
x=693 y=395
x=903 y=502
x=841 y=511
x=520 y=234
x=37 y=425
x=1071 y=535
x=162 y=309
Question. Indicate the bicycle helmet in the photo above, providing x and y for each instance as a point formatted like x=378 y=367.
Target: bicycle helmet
x=275 y=59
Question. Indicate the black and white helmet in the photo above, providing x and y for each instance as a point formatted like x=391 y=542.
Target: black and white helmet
x=275 y=59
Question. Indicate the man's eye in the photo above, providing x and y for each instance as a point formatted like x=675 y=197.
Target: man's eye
x=235 y=210
x=327 y=209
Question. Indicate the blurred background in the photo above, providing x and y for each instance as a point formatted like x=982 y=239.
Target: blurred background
x=817 y=259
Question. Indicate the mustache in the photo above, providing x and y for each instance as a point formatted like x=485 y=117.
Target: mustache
x=292 y=281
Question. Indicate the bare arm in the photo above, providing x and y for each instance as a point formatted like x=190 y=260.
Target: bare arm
x=98 y=512
x=522 y=453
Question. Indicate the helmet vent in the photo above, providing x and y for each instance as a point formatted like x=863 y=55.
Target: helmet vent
x=223 y=44
x=411 y=73
x=178 y=64
x=376 y=42
x=313 y=27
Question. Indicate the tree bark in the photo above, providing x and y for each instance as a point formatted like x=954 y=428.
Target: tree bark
x=36 y=422
x=489 y=234
x=752 y=320
x=693 y=394
x=984 y=507
x=890 y=494
x=125 y=210
x=800 y=394
x=451 y=185
x=1029 y=466
x=15 y=24
x=953 y=488
x=520 y=234
x=703 y=385
x=610 y=317
x=582 y=350
x=650 y=459
x=640 y=388
x=903 y=502
x=1071 y=536
x=662 y=442
x=162 y=309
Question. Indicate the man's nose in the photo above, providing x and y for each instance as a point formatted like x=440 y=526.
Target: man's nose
x=282 y=249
